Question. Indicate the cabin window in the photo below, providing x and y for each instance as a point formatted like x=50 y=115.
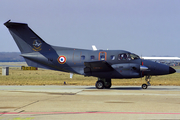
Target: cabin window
x=113 y=57
x=82 y=57
x=102 y=57
x=92 y=57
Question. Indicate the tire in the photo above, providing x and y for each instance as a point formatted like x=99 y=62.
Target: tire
x=144 y=86
x=99 y=84
x=107 y=85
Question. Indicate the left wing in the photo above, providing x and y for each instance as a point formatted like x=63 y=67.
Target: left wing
x=97 y=66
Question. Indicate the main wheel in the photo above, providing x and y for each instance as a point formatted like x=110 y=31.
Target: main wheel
x=99 y=84
x=107 y=85
x=144 y=86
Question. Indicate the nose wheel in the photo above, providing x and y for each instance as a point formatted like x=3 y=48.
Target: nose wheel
x=144 y=86
x=147 y=79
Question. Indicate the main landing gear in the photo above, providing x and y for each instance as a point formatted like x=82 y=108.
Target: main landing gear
x=145 y=86
x=106 y=83
x=103 y=83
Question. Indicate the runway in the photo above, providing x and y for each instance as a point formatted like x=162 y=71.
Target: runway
x=86 y=102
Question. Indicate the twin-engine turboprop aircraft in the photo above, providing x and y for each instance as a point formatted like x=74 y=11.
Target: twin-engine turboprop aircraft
x=104 y=64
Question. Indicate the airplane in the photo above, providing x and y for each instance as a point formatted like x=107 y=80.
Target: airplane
x=103 y=64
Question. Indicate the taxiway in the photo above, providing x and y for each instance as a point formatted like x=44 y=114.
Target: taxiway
x=86 y=102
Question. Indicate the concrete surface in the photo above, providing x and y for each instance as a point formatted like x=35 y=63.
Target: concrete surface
x=86 y=102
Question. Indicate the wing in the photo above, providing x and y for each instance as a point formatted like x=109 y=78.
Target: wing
x=97 y=66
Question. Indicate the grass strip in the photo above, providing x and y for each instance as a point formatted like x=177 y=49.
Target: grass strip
x=49 y=77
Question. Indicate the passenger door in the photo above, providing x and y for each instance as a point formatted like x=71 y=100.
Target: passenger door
x=102 y=56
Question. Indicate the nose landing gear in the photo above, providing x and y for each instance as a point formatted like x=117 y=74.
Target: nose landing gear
x=147 y=79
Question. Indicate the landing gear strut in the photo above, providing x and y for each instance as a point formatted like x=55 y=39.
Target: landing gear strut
x=145 y=86
x=103 y=83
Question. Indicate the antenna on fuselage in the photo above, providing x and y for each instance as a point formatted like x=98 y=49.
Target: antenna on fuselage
x=94 y=47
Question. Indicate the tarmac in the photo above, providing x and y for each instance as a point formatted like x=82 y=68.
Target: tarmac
x=87 y=103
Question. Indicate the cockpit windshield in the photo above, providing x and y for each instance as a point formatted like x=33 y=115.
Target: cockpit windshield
x=134 y=56
x=127 y=56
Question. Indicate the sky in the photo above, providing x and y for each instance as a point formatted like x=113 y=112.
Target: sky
x=143 y=27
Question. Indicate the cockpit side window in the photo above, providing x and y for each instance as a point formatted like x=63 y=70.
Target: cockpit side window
x=127 y=56
x=123 y=56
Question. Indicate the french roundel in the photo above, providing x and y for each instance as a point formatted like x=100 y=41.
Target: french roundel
x=62 y=59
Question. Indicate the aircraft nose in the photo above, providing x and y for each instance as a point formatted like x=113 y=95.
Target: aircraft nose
x=171 y=70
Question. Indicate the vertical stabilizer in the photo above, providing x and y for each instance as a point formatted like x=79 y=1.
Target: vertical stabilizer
x=26 y=39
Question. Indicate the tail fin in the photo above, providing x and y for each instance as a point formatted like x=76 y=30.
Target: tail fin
x=27 y=40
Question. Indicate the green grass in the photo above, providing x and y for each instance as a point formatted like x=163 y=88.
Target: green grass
x=49 y=77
